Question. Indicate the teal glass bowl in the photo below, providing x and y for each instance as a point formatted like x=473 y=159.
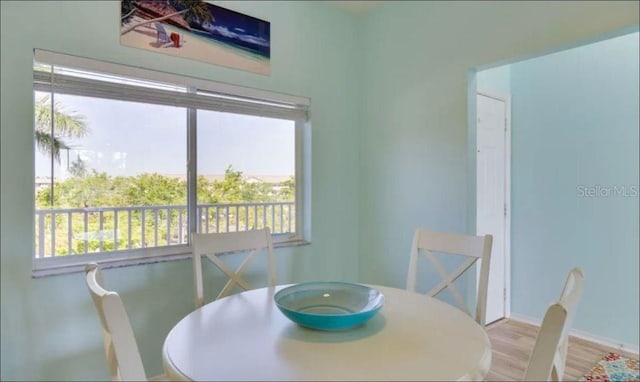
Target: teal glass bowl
x=329 y=305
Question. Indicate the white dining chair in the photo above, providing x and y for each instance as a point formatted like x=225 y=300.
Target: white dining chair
x=549 y=355
x=120 y=347
x=212 y=245
x=473 y=247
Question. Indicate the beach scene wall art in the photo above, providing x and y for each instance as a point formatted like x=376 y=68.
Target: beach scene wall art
x=197 y=30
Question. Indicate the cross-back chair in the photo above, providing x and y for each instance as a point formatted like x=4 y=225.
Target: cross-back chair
x=549 y=355
x=120 y=347
x=213 y=244
x=472 y=247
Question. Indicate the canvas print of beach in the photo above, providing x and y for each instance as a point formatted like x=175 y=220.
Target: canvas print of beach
x=197 y=30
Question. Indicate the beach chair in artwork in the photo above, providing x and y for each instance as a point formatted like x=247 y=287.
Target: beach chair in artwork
x=163 y=37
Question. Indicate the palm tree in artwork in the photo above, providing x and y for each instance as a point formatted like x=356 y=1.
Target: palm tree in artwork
x=65 y=124
x=127 y=8
x=191 y=9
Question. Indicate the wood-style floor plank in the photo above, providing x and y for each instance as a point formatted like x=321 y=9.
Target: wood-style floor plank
x=512 y=342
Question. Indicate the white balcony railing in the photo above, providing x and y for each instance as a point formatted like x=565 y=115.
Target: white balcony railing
x=78 y=231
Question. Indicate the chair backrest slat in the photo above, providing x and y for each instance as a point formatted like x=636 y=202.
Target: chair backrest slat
x=121 y=349
x=213 y=244
x=474 y=247
x=452 y=243
x=549 y=355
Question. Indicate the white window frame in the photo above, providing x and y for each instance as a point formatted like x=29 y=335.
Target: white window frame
x=220 y=97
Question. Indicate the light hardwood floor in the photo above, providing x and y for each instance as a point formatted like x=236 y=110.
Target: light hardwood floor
x=512 y=342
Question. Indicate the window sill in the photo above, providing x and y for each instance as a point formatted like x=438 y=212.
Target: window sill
x=78 y=265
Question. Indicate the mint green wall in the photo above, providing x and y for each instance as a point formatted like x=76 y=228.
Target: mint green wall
x=50 y=329
x=414 y=169
x=495 y=80
x=575 y=122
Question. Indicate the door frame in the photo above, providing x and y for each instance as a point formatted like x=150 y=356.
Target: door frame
x=507 y=194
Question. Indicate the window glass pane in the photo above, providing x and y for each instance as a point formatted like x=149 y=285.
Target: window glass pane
x=246 y=173
x=118 y=175
x=111 y=163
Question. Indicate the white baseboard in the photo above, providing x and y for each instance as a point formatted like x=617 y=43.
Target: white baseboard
x=630 y=348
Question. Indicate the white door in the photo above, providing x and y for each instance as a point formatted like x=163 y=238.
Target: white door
x=491 y=213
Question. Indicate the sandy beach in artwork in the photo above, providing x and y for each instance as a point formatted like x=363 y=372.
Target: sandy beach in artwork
x=194 y=47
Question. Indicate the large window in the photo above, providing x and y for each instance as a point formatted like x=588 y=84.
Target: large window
x=129 y=162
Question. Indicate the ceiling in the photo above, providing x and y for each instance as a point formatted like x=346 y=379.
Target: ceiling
x=355 y=7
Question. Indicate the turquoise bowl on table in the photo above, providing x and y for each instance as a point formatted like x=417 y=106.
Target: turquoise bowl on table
x=329 y=305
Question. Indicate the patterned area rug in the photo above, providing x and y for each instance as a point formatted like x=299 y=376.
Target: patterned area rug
x=614 y=367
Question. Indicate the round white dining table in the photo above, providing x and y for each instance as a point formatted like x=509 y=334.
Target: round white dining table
x=246 y=337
